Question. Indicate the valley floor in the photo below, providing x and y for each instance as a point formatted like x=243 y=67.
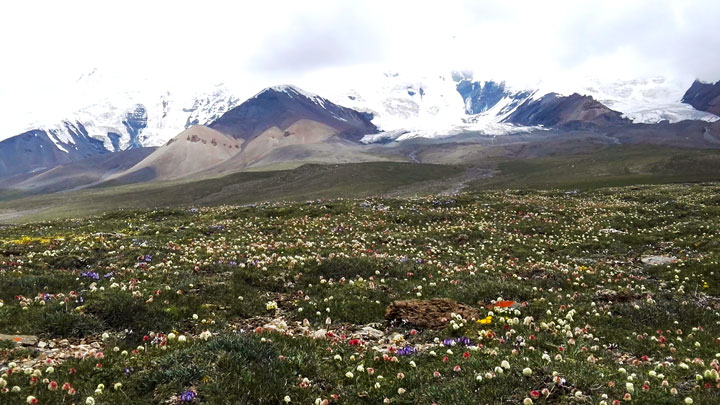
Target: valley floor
x=490 y=297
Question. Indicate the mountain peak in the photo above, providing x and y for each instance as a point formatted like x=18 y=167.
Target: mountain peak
x=289 y=89
x=283 y=105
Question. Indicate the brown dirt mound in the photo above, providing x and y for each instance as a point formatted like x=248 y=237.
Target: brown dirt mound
x=427 y=313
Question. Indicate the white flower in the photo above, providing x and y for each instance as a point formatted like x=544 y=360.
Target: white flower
x=527 y=372
x=527 y=401
x=287 y=399
x=504 y=364
x=688 y=400
x=90 y=401
x=349 y=374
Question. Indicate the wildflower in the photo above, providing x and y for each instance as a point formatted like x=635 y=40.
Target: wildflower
x=188 y=396
x=89 y=401
x=688 y=401
x=485 y=321
x=287 y=399
x=527 y=372
x=117 y=386
x=527 y=401
x=31 y=400
x=53 y=386
x=349 y=374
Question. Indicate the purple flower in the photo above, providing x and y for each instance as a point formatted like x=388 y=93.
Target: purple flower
x=91 y=274
x=406 y=351
x=465 y=341
x=188 y=396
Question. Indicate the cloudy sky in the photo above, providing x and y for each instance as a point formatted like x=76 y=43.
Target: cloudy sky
x=47 y=44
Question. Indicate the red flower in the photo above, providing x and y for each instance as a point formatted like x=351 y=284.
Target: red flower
x=466 y=355
x=534 y=394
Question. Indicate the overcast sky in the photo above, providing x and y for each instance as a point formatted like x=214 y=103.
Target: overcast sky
x=47 y=45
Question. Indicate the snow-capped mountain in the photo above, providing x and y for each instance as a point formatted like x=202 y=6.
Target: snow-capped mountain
x=646 y=101
x=408 y=106
x=136 y=119
x=403 y=106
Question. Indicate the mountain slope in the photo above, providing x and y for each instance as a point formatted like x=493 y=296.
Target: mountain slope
x=39 y=150
x=553 y=110
x=194 y=150
x=704 y=96
x=74 y=175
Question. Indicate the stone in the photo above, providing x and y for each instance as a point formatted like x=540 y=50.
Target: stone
x=658 y=260
x=432 y=314
x=25 y=340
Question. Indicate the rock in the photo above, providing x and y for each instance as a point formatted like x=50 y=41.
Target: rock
x=658 y=260
x=319 y=334
x=428 y=313
x=25 y=340
x=42 y=344
x=370 y=333
x=277 y=324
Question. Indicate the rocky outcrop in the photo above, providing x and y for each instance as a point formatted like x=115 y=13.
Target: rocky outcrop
x=704 y=96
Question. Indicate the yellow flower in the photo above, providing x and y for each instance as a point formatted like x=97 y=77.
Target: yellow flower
x=487 y=320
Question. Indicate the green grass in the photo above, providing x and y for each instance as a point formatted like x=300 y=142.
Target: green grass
x=271 y=298
x=613 y=166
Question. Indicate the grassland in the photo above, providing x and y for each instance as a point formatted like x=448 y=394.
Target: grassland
x=602 y=167
x=585 y=297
